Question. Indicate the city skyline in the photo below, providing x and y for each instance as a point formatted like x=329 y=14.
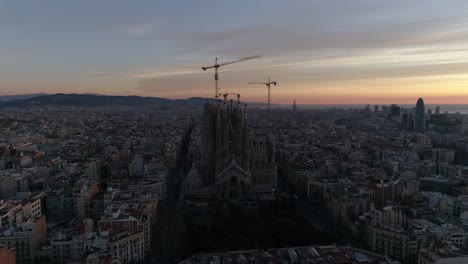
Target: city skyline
x=333 y=52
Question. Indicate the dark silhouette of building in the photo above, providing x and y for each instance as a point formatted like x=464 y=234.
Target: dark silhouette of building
x=407 y=121
x=294 y=107
x=395 y=110
x=233 y=165
x=419 y=119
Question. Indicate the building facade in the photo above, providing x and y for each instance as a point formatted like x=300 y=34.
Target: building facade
x=233 y=165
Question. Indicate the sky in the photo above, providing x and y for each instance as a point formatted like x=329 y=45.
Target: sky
x=319 y=52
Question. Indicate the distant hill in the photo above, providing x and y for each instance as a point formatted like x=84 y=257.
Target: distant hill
x=94 y=100
x=7 y=98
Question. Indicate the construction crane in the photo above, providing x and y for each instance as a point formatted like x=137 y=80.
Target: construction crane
x=216 y=66
x=268 y=85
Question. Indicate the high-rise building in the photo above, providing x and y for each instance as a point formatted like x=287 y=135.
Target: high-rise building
x=82 y=194
x=437 y=110
x=384 y=109
x=294 y=107
x=407 y=121
x=94 y=169
x=137 y=166
x=376 y=108
x=419 y=119
x=232 y=165
x=395 y=110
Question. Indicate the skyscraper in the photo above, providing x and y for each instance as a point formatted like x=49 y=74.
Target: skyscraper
x=419 y=120
x=395 y=110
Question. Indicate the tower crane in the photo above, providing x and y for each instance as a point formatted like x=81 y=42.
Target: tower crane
x=216 y=66
x=268 y=85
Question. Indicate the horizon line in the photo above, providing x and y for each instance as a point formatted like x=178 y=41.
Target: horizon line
x=169 y=98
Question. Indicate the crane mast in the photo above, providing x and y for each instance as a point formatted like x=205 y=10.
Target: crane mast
x=216 y=66
x=268 y=85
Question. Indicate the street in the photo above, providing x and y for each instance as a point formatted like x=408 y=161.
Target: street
x=165 y=234
x=164 y=242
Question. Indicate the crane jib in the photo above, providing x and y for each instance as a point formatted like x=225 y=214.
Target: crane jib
x=216 y=66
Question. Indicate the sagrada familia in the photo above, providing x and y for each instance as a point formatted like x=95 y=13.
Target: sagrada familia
x=231 y=164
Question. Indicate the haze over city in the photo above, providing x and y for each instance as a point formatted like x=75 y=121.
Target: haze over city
x=233 y=132
x=321 y=52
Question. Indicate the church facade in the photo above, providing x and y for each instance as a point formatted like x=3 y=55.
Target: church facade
x=231 y=164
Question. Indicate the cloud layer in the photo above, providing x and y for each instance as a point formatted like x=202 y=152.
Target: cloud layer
x=320 y=51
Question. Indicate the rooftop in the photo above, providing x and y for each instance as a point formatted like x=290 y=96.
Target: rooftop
x=311 y=254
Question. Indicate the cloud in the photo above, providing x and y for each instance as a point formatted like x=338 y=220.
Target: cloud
x=159 y=46
x=182 y=86
x=160 y=74
x=151 y=74
x=328 y=27
x=143 y=29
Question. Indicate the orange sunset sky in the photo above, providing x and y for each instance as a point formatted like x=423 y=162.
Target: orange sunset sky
x=320 y=52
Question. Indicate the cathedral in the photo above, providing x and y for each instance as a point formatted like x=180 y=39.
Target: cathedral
x=231 y=164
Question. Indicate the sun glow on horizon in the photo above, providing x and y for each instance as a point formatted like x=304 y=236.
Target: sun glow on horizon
x=348 y=52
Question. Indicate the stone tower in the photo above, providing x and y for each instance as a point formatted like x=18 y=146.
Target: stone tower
x=230 y=162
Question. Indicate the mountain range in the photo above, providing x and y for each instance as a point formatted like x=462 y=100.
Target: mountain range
x=7 y=98
x=94 y=100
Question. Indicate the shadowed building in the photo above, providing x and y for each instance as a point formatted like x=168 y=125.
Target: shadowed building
x=419 y=120
x=7 y=255
x=232 y=165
